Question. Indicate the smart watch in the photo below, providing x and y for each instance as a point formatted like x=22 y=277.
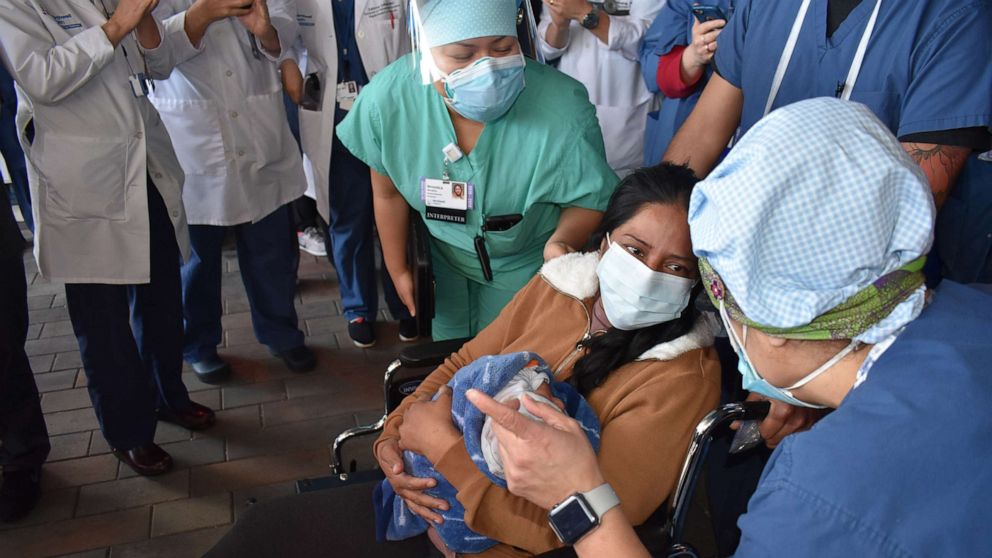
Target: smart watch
x=581 y=512
x=592 y=18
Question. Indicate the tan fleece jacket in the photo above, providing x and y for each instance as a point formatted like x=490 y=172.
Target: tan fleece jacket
x=647 y=408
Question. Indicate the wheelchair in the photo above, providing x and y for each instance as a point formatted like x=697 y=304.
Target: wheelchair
x=662 y=533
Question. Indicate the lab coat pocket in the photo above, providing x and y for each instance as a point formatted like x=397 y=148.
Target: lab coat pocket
x=269 y=127
x=197 y=136
x=536 y=227
x=85 y=178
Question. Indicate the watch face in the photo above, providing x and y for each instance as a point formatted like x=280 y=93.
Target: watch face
x=572 y=519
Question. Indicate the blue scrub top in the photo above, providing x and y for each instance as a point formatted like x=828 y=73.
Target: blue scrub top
x=927 y=69
x=350 y=65
x=672 y=27
x=902 y=467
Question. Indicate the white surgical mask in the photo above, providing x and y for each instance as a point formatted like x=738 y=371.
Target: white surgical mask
x=636 y=296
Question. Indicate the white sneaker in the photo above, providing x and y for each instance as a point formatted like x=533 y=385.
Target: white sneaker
x=312 y=242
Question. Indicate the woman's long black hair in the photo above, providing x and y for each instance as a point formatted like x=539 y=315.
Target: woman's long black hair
x=665 y=184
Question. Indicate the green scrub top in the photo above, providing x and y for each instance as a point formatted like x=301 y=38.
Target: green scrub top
x=544 y=154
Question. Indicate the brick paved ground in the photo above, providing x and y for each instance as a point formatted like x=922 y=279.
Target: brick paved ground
x=273 y=427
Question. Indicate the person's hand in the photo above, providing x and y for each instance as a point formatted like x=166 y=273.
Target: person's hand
x=700 y=52
x=257 y=22
x=783 y=419
x=564 y=10
x=403 y=282
x=410 y=488
x=555 y=248
x=427 y=428
x=544 y=462
x=126 y=17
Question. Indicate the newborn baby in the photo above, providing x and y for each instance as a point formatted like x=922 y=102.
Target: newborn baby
x=503 y=377
x=528 y=382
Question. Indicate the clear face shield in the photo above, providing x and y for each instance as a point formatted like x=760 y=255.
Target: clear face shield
x=429 y=70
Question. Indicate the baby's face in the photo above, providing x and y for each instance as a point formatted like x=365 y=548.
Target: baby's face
x=544 y=390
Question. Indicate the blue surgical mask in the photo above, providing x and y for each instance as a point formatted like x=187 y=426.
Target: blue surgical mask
x=485 y=90
x=753 y=382
x=636 y=296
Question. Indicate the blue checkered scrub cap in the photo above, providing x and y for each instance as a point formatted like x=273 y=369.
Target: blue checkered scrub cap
x=449 y=21
x=816 y=202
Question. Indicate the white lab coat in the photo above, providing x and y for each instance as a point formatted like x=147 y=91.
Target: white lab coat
x=382 y=36
x=94 y=141
x=612 y=75
x=224 y=110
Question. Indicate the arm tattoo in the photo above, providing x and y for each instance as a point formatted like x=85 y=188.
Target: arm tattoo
x=941 y=164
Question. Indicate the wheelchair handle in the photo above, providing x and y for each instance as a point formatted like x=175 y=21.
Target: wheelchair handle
x=696 y=456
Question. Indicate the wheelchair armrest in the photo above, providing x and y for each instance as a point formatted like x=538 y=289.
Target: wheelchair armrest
x=430 y=354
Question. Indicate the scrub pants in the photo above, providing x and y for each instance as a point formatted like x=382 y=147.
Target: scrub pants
x=23 y=436
x=462 y=306
x=268 y=255
x=352 y=239
x=130 y=339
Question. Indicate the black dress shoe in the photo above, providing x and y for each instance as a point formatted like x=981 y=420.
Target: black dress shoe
x=298 y=359
x=147 y=460
x=211 y=370
x=198 y=417
x=19 y=493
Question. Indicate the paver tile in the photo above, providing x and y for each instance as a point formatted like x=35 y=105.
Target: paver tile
x=288 y=437
x=41 y=363
x=50 y=345
x=68 y=359
x=57 y=328
x=66 y=400
x=243 y=499
x=258 y=471
x=55 y=381
x=132 y=492
x=191 y=514
x=69 y=446
x=306 y=408
x=78 y=472
x=184 y=545
x=253 y=394
x=75 y=535
x=55 y=505
x=71 y=421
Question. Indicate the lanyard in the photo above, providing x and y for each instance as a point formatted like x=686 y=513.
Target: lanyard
x=790 y=47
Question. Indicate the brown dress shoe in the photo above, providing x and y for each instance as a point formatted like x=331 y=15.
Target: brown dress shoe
x=147 y=460
x=198 y=417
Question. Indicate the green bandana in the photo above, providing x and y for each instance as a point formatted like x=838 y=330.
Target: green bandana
x=851 y=318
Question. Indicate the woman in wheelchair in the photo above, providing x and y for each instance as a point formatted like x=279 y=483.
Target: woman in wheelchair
x=618 y=324
x=501 y=157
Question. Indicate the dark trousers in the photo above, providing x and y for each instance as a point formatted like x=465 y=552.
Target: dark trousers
x=23 y=436
x=351 y=239
x=130 y=339
x=268 y=255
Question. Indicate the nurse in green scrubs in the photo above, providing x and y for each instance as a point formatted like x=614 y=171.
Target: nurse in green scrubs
x=502 y=157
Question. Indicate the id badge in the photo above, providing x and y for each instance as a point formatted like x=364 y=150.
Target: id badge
x=447 y=200
x=347 y=93
x=139 y=85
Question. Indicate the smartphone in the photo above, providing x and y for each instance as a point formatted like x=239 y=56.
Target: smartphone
x=708 y=13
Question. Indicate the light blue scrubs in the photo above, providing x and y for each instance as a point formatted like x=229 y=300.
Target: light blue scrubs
x=927 y=68
x=901 y=468
x=672 y=27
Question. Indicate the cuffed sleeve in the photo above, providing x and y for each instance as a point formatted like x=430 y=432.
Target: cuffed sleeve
x=49 y=72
